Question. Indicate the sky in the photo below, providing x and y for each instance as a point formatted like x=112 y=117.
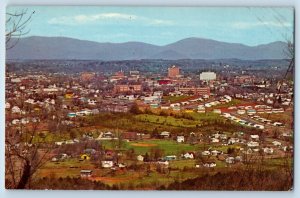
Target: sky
x=162 y=25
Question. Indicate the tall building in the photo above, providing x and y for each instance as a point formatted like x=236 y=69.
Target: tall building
x=173 y=71
x=208 y=76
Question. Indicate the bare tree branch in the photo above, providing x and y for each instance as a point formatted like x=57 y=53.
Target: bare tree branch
x=16 y=25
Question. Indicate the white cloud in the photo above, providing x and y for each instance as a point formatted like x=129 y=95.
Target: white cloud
x=85 y=19
x=249 y=25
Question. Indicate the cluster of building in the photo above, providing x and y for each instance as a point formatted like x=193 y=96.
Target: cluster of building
x=66 y=97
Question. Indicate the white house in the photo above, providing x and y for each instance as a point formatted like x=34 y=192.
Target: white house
x=86 y=173
x=218 y=111
x=165 y=134
x=163 y=162
x=205 y=153
x=254 y=137
x=140 y=158
x=223 y=136
x=230 y=160
x=164 y=107
x=276 y=143
x=268 y=150
x=70 y=142
x=92 y=102
x=215 y=152
x=233 y=140
x=25 y=120
x=16 y=109
x=121 y=165
x=59 y=143
x=29 y=101
x=16 y=121
x=209 y=164
x=107 y=163
x=215 y=140
x=252 y=144
x=188 y=155
x=180 y=138
x=238 y=158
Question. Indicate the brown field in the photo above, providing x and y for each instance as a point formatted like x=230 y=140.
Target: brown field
x=143 y=144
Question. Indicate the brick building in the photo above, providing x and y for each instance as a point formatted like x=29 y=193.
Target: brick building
x=195 y=90
x=173 y=71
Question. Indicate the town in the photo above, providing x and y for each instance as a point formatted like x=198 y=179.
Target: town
x=133 y=128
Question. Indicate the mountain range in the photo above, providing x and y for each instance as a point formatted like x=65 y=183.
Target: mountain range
x=63 y=48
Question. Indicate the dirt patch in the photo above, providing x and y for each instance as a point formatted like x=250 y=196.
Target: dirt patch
x=143 y=144
x=109 y=179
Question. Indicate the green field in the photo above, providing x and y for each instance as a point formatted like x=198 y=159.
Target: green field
x=167 y=120
x=233 y=102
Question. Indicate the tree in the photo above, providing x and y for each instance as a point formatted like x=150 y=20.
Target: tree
x=16 y=26
x=135 y=109
x=156 y=153
x=146 y=158
x=25 y=152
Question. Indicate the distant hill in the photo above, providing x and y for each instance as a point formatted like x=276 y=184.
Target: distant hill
x=36 y=47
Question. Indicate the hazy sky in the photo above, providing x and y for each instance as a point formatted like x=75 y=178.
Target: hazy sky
x=162 y=25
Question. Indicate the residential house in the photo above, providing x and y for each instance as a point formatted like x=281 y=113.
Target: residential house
x=130 y=136
x=180 y=138
x=15 y=121
x=216 y=152
x=252 y=144
x=188 y=155
x=16 y=109
x=276 y=143
x=165 y=134
x=214 y=140
x=140 y=158
x=233 y=140
x=163 y=162
x=122 y=165
x=254 y=137
x=170 y=157
x=107 y=163
x=209 y=164
x=206 y=153
x=230 y=160
x=268 y=150
x=86 y=173
x=85 y=157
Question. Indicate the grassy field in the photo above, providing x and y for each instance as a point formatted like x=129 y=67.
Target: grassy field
x=285 y=118
x=174 y=99
x=180 y=164
x=167 y=120
x=67 y=168
x=206 y=116
x=233 y=102
x=138 y=179
x=179 y=170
